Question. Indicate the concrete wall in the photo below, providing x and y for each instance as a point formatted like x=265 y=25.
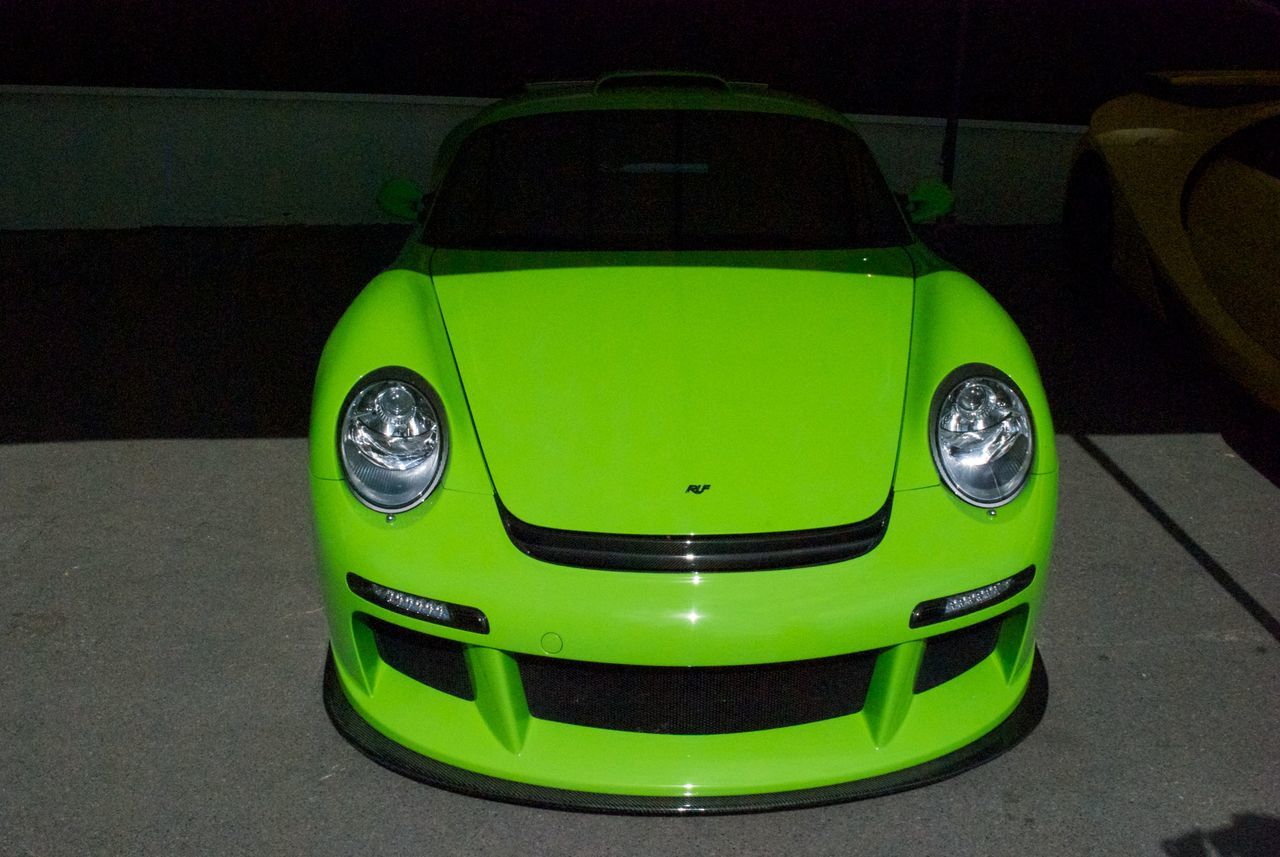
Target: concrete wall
x=90 y=158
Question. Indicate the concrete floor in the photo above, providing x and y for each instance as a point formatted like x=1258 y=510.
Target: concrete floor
x=163 y=641
x=162 y=634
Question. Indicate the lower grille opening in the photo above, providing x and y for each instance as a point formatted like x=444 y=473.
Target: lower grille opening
x=949 y=655
x=695 y=700
x=432 y=660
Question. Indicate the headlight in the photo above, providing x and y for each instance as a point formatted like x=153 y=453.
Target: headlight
x=981 y=436
x=392 y=440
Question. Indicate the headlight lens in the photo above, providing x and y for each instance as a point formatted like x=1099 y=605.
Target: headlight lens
x=392 y=443
x=982 y=442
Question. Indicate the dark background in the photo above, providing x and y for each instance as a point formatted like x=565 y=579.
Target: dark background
x=215 y=332
x=1035 y=60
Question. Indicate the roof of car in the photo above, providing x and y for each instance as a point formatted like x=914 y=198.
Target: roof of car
x=654 y=90
x=638 y=90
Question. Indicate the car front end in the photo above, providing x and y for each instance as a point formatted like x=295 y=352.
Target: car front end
x=680 y=530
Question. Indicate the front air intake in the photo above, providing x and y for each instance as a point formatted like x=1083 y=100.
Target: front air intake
x=695 y=700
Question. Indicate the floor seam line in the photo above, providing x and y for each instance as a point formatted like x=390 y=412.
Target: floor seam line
x=1202 y=557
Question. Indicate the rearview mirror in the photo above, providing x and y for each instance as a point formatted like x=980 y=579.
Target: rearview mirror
x=401 y=198
x=929 y=200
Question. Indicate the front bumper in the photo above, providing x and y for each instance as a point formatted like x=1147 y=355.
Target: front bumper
x=402 y=760
x=900 y=732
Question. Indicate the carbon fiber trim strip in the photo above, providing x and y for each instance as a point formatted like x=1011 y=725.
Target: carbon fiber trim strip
x=746 y=552
x=403 y=761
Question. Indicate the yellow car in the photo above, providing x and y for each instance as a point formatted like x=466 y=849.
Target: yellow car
x=1175 y=191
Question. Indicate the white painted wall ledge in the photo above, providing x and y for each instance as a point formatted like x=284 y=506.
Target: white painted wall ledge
x=110 y=158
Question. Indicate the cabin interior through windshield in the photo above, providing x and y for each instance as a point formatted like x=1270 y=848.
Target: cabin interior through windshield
x=664 y=179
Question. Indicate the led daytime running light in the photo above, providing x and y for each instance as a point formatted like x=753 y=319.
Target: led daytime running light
x=418 y=607
x=963 y=603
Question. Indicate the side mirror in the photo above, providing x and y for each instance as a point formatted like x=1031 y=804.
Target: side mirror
x=929 y=200
x=402 y=199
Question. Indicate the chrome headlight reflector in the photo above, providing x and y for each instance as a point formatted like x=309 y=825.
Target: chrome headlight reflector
x=981 y=436
x=392 y=440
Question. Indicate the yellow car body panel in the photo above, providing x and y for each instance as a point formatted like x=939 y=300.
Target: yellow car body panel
x=1193 y=225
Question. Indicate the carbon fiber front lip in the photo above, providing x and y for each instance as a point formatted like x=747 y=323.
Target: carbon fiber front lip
x=404 y=761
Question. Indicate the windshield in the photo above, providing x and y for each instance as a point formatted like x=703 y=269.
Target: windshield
x=663 y=179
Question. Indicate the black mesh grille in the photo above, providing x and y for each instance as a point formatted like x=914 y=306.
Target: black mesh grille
x=432 y=660
x=948 y=655
x=695 y=700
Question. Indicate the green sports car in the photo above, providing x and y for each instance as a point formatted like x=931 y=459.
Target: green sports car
x=666 y=471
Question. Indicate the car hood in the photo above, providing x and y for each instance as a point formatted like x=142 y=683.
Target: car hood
x=641 y=398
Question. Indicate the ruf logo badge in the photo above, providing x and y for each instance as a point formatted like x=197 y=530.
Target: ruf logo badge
x=697 y=489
